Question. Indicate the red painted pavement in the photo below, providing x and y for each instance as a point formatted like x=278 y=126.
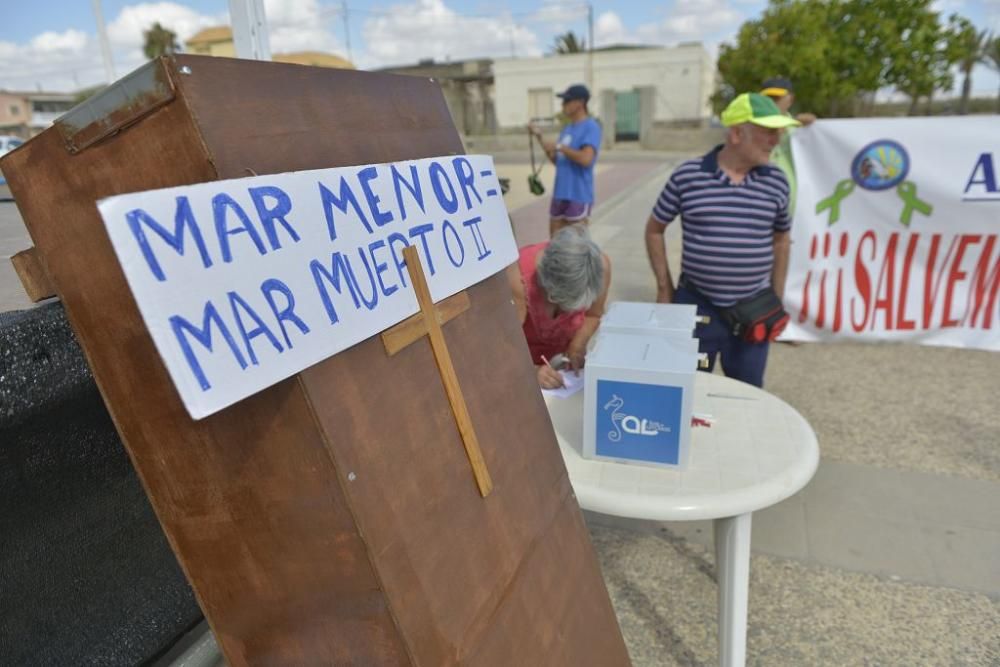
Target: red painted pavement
x=531 y=222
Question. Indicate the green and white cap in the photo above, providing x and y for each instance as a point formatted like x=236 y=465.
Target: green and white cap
x=757 y=109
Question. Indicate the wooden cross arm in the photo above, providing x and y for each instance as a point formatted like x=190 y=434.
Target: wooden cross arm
x=432 y=324
x=34 y=277
x=414 y=328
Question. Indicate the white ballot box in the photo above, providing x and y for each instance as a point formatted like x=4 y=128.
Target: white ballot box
x=672 y=320
x=637 y=399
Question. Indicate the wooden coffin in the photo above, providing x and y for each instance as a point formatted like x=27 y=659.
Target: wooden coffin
x=331 y=518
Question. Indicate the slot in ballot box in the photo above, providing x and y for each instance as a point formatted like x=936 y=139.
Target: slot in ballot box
x=674 y=320
x=638 y=400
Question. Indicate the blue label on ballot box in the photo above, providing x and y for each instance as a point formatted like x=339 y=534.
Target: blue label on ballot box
x=638 y=421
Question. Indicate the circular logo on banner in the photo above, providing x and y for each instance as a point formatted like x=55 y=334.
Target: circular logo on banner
x=880 y=165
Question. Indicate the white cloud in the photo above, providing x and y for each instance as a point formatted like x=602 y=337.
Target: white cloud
x=991 y=13
x=52 y=60
x=707 y=21
x=609 y=29
x=699 y=20
x=558 y=18
x=293 y=25
x=946 y=7
x=126 y=30
x=301 y=25
x=71 y=41
x=407 y=33
x=69 y=60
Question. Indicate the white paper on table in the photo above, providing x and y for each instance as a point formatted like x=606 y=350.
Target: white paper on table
x=572 y=383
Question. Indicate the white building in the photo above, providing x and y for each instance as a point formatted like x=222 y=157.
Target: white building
x=631 y=87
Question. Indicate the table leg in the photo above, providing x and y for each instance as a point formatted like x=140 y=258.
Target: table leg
x=732 y=566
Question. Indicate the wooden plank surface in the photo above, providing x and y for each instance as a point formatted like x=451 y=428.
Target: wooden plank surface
x=511 y=579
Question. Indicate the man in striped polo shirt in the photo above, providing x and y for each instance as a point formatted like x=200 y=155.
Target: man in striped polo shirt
x=735 y=226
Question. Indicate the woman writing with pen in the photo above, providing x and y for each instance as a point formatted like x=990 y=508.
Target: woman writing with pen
x=560 y=288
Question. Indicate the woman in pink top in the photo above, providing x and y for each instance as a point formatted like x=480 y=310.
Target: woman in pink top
x=560 y=288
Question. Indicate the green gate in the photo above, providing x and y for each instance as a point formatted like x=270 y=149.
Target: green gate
x=627 y=116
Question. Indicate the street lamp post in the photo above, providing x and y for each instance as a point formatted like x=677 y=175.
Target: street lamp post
x=250 y=36
x=590 y=46
x=102 y=37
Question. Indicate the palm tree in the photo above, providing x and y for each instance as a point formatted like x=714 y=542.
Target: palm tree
x=969 y=47
x=159 y=41
x=569 y=43
x=992 y=52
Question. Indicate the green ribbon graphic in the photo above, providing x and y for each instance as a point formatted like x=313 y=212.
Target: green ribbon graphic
x=907 y=191
x=844 y=188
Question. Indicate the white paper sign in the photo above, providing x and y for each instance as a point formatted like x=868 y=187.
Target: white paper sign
x=245 y=282
x=896 y=234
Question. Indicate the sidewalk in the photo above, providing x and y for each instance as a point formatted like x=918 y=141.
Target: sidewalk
x=890 y=556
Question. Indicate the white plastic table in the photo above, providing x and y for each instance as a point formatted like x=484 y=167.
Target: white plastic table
x=758 y=452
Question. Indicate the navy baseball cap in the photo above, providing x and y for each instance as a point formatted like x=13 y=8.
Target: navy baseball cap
x=778 y=86
x=577 y=91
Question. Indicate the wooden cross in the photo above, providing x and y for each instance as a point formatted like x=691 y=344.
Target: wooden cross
x=428 y=322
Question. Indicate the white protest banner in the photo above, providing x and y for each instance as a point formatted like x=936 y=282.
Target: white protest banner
x=245 y=282
x=896 y=234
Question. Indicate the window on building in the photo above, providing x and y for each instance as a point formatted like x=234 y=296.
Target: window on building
x=51 y=106
x=540 y=103
x=14 y=110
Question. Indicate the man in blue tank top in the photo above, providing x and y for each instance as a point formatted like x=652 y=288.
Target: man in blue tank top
x=574 y=155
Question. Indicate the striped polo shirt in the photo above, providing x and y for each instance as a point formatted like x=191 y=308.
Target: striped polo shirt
x=728 y=229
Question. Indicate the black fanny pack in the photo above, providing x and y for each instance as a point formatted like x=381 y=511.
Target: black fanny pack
x=757 y=319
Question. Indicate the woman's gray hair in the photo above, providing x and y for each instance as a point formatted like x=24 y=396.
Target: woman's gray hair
x=571 y=269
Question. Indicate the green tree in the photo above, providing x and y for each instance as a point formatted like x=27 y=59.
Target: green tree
x=569 y=43
x=159 y=41
x=969 y=47
x=840 y=52
x=833 y=50
x=862 y=34
x=921 y=60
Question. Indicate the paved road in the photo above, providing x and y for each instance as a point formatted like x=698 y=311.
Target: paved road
x=13 y=238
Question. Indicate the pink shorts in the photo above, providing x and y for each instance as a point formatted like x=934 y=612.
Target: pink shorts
x=568 y=210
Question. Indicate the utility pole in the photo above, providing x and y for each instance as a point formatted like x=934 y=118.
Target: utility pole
x=347 y=31
x=250 y=35
x=102 y=37
x=590 y=47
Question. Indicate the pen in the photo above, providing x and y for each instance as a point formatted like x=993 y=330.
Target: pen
x=561 y=383
x=742 y=398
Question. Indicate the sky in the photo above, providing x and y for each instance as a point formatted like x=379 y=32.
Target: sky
x=52 y=45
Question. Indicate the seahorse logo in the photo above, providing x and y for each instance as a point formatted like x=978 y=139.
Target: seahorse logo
x=615 y=405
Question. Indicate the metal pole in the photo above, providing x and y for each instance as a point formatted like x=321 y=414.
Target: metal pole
x=347 y=32
x=250 y=36
x=513 y=53
x=102 y=37
x=590 y=47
